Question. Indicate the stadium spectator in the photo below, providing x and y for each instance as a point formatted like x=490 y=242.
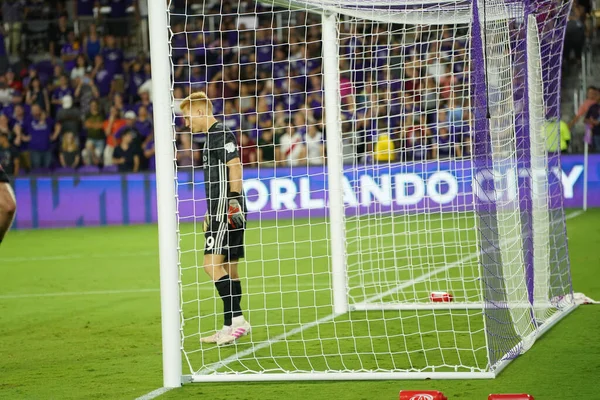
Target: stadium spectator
x=19 y=118
x=149 y=153
x=13 y=16
x=143 y=123
x=102 y=77
x=59 y=36
x=575 y=36
x=130 y=128
x=9 y=156
x=112 y=55
x=290 y=149
x=69 y=117
x=248 y=155
x=558 y=136
x=37 y=94
x=187 y=154
x=461 y=132
x=144 y=102
x=443 y=147
x=79 y=68
x=111 y=126
x=16 y=100
x=69 y=151
x=147 y=85
x=40 y=132
x=125 y=155
x=96 y=138
x=12 y=81
x=63 y=89
x=591 y=98
x=417 y=137
x=57 y=73
x=85 y=92
x=92 y=43
x=266 y=148
x=592 y=118
x=69 y=52
x=135 y=79
x=315 y=149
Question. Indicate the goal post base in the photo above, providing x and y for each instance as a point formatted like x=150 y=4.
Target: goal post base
x=433 y=306
x=337 y=376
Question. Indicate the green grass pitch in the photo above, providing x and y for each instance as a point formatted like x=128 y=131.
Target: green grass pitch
x=80 y=318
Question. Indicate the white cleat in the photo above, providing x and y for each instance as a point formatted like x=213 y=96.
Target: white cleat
x=225 y=331
x=234 y=333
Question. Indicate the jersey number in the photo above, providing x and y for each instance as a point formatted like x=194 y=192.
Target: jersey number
x=210 y=243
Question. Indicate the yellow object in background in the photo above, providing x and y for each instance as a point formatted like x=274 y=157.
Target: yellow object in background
x=384 y=148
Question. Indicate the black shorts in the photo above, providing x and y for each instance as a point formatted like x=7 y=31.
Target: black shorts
x=222 y=239
x=3 y=176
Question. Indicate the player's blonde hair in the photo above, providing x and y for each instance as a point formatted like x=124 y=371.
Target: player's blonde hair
x=199 y=98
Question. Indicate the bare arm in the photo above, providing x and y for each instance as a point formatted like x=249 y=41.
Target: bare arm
x=136 y=163
x=235 y=175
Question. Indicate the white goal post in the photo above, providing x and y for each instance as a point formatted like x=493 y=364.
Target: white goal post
x=410 y=224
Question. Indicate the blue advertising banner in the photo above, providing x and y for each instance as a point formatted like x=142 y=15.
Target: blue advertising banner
x=89 y=200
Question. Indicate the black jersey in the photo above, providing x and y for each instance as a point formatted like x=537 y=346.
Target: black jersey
x=220 y=147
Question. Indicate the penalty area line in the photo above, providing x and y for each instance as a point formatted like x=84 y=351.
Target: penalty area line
x=155 y=393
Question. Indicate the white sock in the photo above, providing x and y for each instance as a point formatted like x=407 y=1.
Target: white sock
x=237 y=320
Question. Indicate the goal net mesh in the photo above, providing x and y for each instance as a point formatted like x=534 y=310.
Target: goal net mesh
x=455 y=243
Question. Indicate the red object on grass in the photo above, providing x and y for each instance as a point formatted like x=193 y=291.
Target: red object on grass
x=522 y=396
x=440 y=297
x=422 y=395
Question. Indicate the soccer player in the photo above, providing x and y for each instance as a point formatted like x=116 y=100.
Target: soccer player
x=8 y=205
x=225 y=221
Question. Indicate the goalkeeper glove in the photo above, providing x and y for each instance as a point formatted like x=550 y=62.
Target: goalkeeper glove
x=235 y=215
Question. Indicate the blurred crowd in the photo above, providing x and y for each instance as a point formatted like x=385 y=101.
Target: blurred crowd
x=75 y=86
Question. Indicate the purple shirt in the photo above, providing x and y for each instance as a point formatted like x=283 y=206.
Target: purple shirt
x=144 y=127
x=103 y=80
x=40 y=132
x=136 y=79
x=113 y=60
x=59 y=93
x=264 y=51
x=151 y=160
x=69 y=50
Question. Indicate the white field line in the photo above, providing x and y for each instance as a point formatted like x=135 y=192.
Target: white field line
x=215 y=366
x=154 y=394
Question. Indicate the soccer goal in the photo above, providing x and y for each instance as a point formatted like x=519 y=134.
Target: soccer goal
x=405 y=216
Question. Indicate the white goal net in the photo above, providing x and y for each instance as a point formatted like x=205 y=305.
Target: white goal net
x=404 y=211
